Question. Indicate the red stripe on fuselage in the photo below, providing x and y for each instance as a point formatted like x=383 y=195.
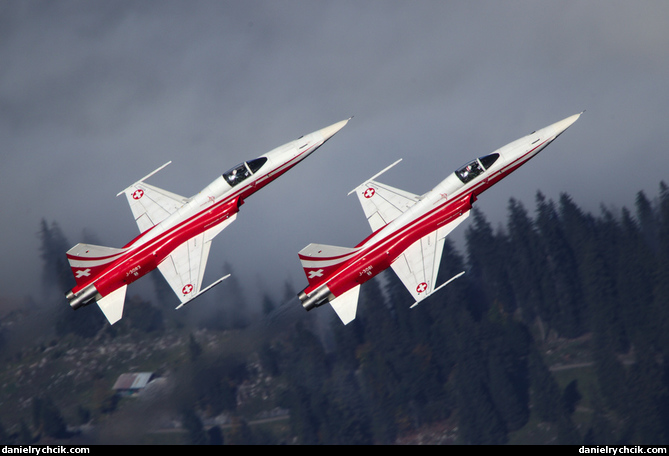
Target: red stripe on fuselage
x=501 y=173
x=147 y=256
x=386 y=250
x=373 y=259
x=143 y=258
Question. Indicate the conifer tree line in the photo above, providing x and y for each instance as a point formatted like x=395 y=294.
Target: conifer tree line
x=473 y=353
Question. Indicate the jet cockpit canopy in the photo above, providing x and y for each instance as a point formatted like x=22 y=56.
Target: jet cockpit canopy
x=476 y=167
x=238 y=173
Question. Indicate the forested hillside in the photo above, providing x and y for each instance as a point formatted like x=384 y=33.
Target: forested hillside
x=478 y=355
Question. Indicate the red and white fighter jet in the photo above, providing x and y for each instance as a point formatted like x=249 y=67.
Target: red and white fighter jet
x=409 y=230
x=176 y=232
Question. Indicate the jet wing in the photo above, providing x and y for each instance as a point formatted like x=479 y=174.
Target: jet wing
x=151 y=205
x=184 y=267
x=418 y=266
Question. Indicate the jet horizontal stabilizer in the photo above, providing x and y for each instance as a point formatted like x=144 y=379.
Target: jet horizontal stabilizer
x=112 y=304
x=346 y=305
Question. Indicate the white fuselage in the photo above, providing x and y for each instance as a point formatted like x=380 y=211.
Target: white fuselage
x=438 y=208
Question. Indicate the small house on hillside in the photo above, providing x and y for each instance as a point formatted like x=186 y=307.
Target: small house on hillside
x=132 y=383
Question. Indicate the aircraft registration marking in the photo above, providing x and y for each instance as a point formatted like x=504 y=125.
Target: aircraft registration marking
x=367 y=270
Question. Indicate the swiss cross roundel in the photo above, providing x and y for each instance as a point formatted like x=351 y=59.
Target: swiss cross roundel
x=421 y=287
x=187 y=289
x=137 y=194
x=369 y=192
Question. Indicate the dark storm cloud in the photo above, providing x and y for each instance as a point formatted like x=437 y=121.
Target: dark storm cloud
x=95 y=94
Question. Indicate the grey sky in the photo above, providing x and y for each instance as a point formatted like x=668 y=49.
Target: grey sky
x=96 y=94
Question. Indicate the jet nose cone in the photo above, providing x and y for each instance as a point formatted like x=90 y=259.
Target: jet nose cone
x=329 y=132
x=561 y=126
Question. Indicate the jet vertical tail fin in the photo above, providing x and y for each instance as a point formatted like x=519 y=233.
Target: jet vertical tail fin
x=86 y=260
x=319 y=260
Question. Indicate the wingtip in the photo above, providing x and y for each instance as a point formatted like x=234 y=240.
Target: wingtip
x=377 y=175
x=201 y=292
x=144 y=178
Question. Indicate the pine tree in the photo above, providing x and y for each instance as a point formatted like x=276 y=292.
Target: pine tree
x=164 y=293
x=53 y=245
x=610 y=374
x=661 y=293
x=507 y=347
x=601 y=295
x=487 y=254
x=345 y=418
x=375 y=357
x=636 y=284
x=479 y=419
x=443 y=308
x=546 y=397
x=56 y=273
x=304 y=420
x=649 y=400
x=577 y=227
x=525 y=262
x=560 y=280
x=268 y=305
x=143 y=316
x=648 y=220
x=234 y=301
